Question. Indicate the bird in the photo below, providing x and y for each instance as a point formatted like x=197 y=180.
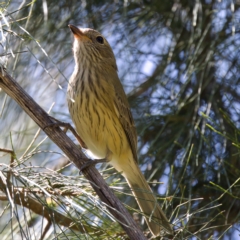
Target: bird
x=103 y=120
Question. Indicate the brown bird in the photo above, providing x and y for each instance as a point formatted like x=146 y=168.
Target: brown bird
x=100 y=111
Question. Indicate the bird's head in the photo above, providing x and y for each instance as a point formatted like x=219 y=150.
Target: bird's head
x=89 y=45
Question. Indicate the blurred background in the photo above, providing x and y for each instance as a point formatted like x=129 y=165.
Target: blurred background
x=179 y=63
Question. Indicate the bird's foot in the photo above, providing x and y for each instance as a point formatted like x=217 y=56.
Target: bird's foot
x=91 y=163
x=66 y=127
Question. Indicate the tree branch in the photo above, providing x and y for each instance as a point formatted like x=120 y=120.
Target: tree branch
x=12 y=88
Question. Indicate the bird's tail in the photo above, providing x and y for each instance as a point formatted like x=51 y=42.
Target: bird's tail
x=156 y=219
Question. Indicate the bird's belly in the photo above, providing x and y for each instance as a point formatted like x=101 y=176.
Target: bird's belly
x=93 y=140
x=99 y=128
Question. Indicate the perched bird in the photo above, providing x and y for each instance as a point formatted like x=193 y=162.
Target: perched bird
x=100 y=111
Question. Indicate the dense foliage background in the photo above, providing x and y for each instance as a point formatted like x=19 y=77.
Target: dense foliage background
x=179 y=62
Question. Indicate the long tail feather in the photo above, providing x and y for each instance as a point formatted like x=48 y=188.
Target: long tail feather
x=147 y=202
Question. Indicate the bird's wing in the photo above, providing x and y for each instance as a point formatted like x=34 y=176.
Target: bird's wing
x=125 y=116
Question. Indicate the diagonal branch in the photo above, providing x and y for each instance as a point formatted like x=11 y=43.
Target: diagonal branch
x=12 y=88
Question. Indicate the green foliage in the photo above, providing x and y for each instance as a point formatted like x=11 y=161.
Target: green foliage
x=179 y=63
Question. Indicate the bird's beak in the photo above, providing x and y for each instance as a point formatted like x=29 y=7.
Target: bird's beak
x=78 y=33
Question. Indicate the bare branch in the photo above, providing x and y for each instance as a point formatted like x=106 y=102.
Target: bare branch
x=10 y=86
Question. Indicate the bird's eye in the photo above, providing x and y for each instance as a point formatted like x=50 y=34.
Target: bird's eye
x=99 y=39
